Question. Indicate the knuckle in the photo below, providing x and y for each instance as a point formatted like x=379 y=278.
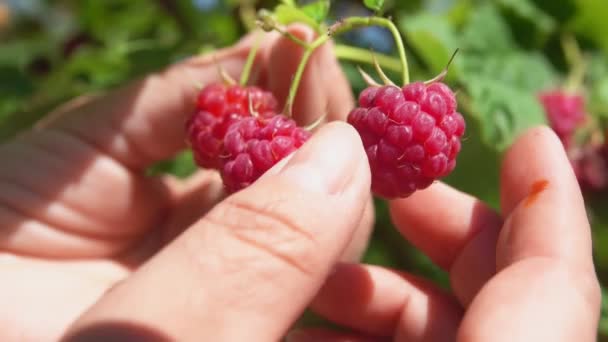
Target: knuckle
x=270 y=227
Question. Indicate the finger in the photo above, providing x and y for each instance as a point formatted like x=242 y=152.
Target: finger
x=547 y=216
x=52 y=189
x=260 y=250
x=360 y=241
x=51 y=195
x=546 y=287
x=536 y=299
x=193 y=198
x=456 y=218
x=383 y=302
x=143 y=122
x=474 y=265
x=460 y=236
x=323 y=88
x=324 y=335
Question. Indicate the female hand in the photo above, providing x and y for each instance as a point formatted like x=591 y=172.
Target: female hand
x=524 y=274
x=79 y=215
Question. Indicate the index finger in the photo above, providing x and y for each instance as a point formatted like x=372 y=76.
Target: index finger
x=542 y=203
x=545 y=288
x=144 y=121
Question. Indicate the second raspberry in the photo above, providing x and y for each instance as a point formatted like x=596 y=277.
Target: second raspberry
x=411 y=135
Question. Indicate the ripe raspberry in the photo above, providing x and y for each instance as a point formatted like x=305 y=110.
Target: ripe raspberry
x=218 y=107
x=220 y=99
x=411 y=135
x=254 y=145
x=205 y=134
x=564 y=111
x=590 y=164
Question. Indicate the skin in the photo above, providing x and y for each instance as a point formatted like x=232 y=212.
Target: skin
x=92 y=249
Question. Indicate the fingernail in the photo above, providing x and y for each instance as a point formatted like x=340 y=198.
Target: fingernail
x=328 y=161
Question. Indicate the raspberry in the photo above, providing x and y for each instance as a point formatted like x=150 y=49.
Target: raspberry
x=564 y=111
x=205 y=134
x=590 y=164
x=220 y=99
x=255 y=144
x=218 y=107
x=411 y=135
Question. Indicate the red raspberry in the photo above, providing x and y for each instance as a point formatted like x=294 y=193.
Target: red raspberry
x=220 y=99
x=218 y=107
x=565 y=112
x=590 y=164
x=205 y=134
x=411 y=135
x=254 y=145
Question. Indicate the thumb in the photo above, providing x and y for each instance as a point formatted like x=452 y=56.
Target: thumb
x=249 y=268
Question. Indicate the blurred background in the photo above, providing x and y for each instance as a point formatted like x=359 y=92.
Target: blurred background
x=510 y=51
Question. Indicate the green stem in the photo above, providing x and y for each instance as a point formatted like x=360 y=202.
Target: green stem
x=576 y=78
x=250 y=59
x=355 y=54
x=291 y=37
x=576 y=62
x=308 y=51
x=356 y=22
x=339 y=28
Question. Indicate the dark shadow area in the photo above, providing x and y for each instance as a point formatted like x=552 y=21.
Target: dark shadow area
x=117 y=332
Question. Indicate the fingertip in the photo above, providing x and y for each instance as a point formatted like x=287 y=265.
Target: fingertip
x=536 y=156
x=335 y=138
x=542 y=203
x=333 y=159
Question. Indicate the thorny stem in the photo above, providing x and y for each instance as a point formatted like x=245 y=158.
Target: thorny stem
x=340 y=27
x=250 y=60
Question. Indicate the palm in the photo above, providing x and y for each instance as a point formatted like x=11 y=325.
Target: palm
x=42 y=298
x=64 y=245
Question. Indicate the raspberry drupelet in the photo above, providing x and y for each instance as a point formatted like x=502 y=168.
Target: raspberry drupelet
x=255 y=144
x=218 y=107
x=412 y=135
x=565 y=112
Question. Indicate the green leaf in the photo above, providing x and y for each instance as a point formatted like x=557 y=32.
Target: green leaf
x=597 y=77
x=181 y=166
x=590 y=21
x=317 y=10
x=287 y=15
x=291 y=3
x=478 y=164
x=374 y=5
x=19 y=86
x=433 y=39
x=504 y=111
x=530 y=72
x=487 y=32
x=527 y=10
x=503 y=92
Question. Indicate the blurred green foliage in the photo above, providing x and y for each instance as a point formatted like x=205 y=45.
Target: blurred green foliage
x=52 y=51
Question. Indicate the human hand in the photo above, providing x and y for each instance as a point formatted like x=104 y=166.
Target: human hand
x=79 y=215
x=525 y=274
